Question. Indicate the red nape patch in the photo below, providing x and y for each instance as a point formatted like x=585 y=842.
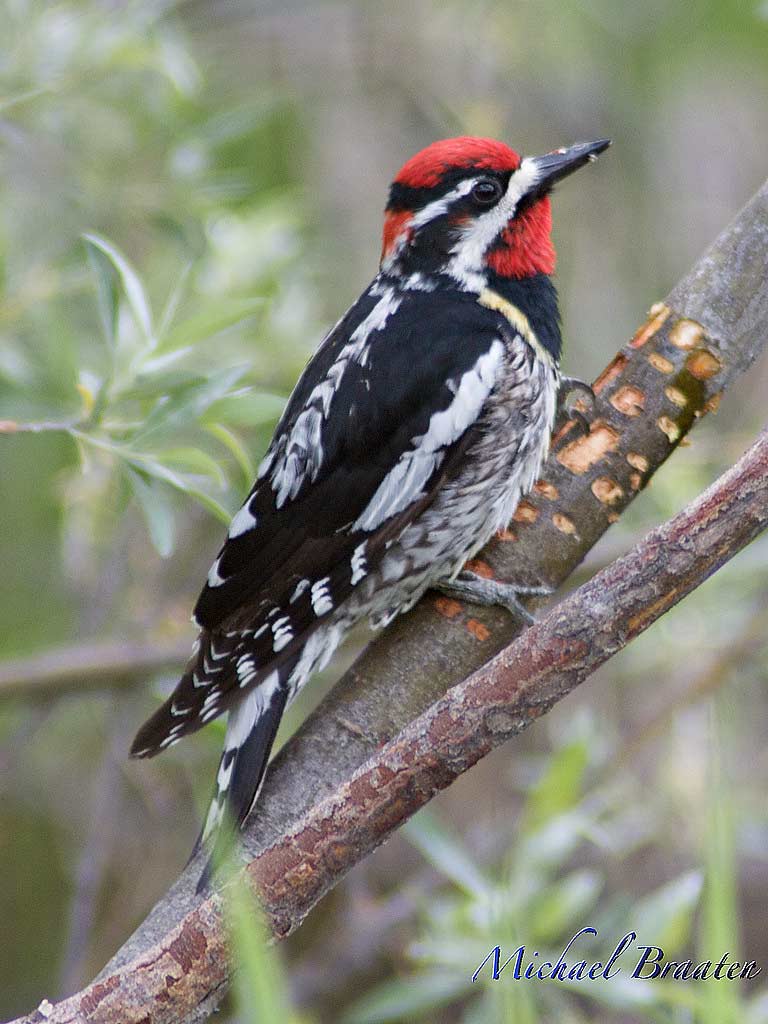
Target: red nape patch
x=427 y=167
x=395 y=224
x=525 y=247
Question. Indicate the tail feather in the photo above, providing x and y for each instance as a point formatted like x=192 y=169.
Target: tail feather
x=251 y=732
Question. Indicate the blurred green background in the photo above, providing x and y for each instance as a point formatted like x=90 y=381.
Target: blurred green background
x=229 y=162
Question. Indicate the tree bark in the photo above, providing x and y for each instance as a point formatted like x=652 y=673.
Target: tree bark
x=342 y=783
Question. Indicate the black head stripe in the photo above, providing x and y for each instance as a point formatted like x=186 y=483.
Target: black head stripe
x=404 y=197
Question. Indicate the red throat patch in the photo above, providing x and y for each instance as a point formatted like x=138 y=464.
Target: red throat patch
x=525 y=247
x=426 y=168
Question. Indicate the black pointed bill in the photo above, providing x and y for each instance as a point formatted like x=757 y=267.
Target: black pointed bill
x=561 y=162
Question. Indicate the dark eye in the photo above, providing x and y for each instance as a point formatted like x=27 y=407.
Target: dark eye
x=486 y=192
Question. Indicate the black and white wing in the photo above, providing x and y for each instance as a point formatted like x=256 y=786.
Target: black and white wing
x=378 y=419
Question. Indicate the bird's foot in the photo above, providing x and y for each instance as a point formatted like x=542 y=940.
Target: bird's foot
x=468 y=586
x=573 y=391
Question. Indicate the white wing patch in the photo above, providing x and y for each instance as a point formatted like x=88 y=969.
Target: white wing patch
x=215 y=579
x=242 y=522
x=282 y=633
x=246 y=670
x=299 y=455
x=405 y=483
x=358 y=564
x=301 y=586
x=322 y=602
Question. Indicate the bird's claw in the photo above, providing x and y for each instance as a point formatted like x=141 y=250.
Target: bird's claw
x=573 y=390
x=468 y=586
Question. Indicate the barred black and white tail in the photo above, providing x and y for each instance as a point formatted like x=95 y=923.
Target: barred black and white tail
x=251 y=730
x=227 y=672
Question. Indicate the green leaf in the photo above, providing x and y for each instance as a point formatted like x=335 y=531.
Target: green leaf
x=157 y=385
x=131 y=284
x=194 y=460
x=445 y=852
x=174 y=299
x=559 y=788
x=719 y=930
x=407 y=998
x=187 y=405
x=107 y=290
x=156 y=469
x=260 y=986
x=564 y=902
x=233 y=443
x=620 y=992
x=247 y=408
x=663 y=917
x=554 y=841
x=451 y=948
x=153 y=501
x=216 y=317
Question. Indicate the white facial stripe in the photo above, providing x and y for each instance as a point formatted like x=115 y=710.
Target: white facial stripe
x=522 y=181
x=480 y=233
x=442 y=205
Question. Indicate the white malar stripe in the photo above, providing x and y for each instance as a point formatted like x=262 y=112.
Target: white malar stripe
x=242 y=522
x=322 y=603
x=359 y=564
x=468 y=253
x=405 y=483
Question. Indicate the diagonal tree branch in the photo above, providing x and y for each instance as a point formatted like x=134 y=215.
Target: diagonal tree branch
x=498 y=701
x=711 y=327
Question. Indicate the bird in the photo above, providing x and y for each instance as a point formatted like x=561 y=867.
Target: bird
x=418 y=424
